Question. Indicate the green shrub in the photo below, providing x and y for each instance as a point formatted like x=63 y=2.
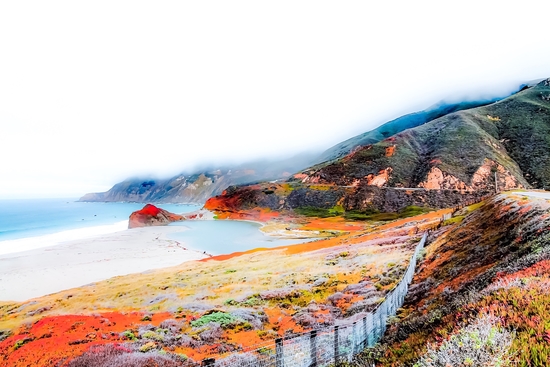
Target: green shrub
x=412 y=210
x=376 y=216
x=152 y=335
x=147 y=347
x=265 y=351
x=18 y=344
x=128 y=334
x=230 y=302
x=310 y=211
x=225 y=320
x=454 y=220
x=421 y=255
x=252 y=301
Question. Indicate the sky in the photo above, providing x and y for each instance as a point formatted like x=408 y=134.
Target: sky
x=94 y=92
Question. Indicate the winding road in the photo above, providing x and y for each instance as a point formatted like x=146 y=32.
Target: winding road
x=537 y=194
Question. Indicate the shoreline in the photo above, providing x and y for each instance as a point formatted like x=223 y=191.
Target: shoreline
x=58 y=266
x=56 y=238
x=75 y=263
x=281 y=230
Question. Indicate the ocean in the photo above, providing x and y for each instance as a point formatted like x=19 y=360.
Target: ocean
x=36 y=223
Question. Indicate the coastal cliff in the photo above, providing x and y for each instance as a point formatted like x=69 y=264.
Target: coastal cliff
x=198 y=186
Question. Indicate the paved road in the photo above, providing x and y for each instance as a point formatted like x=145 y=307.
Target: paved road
x=537 y=194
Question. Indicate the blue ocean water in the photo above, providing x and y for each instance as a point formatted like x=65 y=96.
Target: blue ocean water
x=49 y=219
x=35 y=223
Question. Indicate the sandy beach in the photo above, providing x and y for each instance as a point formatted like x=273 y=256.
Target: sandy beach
x=34 y=273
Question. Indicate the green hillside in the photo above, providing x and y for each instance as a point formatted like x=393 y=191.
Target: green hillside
x=461 y=150
x=396 y=126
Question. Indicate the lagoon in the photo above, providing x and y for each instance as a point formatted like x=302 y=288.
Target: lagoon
x=219 y=237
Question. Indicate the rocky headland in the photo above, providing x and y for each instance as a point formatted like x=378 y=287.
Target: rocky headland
x=151 y=215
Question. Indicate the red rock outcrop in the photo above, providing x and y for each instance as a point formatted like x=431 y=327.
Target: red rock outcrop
x=150 y=215
x=482 y=179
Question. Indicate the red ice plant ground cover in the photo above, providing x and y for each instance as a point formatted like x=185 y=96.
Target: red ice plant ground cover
x=54 y=339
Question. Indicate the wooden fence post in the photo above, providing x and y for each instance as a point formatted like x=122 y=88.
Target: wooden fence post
x=313 y=347
x=279 y=357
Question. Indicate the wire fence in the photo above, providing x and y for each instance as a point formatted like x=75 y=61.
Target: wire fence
x=330 y=346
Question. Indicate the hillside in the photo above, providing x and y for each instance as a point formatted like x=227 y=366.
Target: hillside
x=489 y=271
x=323 y=200
x=456 y=158
x=462 y=150
x=202 y=184
x=223 y=304
x=396 y=126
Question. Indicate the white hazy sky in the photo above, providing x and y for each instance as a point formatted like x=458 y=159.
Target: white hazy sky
x=93 y=92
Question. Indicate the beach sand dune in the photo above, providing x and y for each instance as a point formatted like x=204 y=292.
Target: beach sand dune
x=70 y=264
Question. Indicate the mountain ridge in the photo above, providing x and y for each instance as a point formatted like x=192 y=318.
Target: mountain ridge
x=198 y=186
x=397 y=125
x=501 y=146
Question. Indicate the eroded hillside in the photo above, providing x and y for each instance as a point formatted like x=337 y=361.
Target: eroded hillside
x=452 y=160
x=490 y=263
x=364 y=202
x=466 y=150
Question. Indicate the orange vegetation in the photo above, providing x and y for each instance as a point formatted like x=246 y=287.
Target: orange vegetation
x=334 y=223
x=54 y=339
x=258 y=214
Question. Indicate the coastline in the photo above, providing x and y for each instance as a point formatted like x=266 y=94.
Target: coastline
x=61 y=263
x=40 y=271
x=56 y=238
